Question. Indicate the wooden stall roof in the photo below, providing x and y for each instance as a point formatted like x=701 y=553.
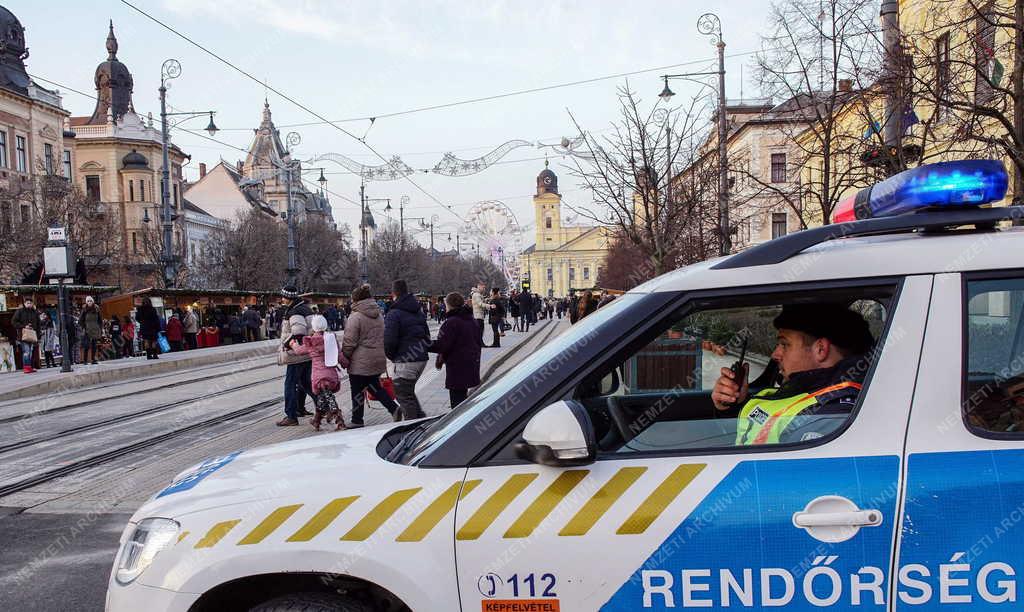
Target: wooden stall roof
x=92 y=289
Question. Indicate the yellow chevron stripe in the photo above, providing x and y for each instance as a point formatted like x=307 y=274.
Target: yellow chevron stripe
x=545 y=503
x=269 y=524
x=217 y=532
x=380 y=513
x=652 y=507
x=607 y=495
x=495 y=505
x=432 y=515
x=182 y=536
x=322 y=519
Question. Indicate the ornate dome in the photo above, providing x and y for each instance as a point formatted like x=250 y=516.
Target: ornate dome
x=114 y=85
x=13 y=52
x=135 y=160
x=547 y=181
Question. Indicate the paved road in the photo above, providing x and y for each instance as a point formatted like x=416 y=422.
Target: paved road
x=60 y=537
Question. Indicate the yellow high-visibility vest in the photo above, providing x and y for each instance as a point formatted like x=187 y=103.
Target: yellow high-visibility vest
x=763 y=418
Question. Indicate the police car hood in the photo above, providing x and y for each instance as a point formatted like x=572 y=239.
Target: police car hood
x=268 y=472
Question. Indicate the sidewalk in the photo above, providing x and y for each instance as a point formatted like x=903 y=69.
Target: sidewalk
x=14 y=385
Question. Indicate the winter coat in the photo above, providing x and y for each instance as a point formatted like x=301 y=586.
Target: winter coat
x=458 y=343
x=295 y=324
x=324 y=376
x=175 y=330
x=91 y=322
x=48 y=340
x=128 y=330
x=24 y=317
x=191 y=323
x=406 y=335
x=251 y=318
x=479 y=305
x=149 y=322
x=525 y=303
x=496 y=314
x=363 y=344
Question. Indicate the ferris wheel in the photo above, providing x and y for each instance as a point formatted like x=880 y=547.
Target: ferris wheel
x=495 y=227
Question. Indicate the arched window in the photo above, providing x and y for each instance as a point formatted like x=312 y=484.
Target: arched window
x=547 y=222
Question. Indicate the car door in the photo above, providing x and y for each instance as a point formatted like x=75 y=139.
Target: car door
x=691 y=525
x=963 y=508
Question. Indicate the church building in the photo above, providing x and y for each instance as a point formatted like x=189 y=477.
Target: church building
x=565 y=256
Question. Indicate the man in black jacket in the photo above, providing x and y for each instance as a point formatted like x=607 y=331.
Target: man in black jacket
x=406 y=338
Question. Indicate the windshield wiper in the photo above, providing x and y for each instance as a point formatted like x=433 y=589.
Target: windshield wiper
x=410 y=438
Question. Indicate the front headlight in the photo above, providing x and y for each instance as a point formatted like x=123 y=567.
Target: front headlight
x=150 y=536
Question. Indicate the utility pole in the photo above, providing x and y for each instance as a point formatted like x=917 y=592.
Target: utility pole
x=291 y=140
x=1018 y=98
x=364 y=273
x=892 y=132
x=723 y=156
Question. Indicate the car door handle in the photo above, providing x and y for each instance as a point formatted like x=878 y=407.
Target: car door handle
x=861 y=518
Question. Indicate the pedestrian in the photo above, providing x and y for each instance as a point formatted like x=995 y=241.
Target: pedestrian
x=333 y=318
x=458 y=350
x=525 y=308
x=236 y=327
x=574 y=304
x=496 y=316
x=322 y=348
x=406 y=338
x=128 y=335
x=550 y=309
x=586 y=306
x=175 y=333
x=149 y=327
x=295 y=324
x=71 y=325
x=513 y=311
x=479 y=303
x=92 y=324
x=48 y=341
x=363 y=346
x=191 y=324
x=26 y=329
x=116 y=336
x=252 y=324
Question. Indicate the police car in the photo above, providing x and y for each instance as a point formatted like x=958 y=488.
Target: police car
x=597 y=474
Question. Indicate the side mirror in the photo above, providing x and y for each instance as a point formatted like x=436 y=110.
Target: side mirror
x=559 y=435
x=610 y=383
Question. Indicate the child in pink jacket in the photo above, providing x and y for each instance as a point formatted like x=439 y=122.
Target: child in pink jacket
x=322 y=347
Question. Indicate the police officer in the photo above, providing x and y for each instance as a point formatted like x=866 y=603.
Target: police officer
x=822 y=356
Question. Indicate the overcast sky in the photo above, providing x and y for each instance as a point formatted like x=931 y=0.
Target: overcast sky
x=358 y=59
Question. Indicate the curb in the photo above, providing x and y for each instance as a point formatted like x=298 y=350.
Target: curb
x=88 y=379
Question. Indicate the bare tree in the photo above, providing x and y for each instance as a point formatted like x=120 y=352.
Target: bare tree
x=395 y=254
x=631 y=176
x=326 y=260
x=248 y=255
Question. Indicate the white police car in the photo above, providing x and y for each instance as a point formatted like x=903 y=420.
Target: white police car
x=596 y=475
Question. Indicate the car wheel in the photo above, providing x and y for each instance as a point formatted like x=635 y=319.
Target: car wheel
x=311 y=602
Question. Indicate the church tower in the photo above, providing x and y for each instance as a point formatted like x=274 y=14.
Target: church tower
x=547 y=205
x=113 y=86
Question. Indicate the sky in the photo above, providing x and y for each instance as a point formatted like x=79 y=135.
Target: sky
x=352 y=60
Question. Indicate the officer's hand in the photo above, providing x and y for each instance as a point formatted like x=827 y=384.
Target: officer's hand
x=729 y=391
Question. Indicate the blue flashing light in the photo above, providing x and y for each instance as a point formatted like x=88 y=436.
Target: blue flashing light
x=965 y=183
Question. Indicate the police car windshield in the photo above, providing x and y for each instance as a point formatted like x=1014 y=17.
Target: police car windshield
x=518 y=377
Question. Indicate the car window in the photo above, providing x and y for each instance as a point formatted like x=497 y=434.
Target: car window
x=656 y=397
x=994 y=381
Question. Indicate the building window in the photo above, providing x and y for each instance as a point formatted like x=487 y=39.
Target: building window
x=586 y=273
x=92 y=188
x=779 y=225
x=131 y=190
x=3 y=149
x=19 y=145
x=48 y=157
x=142 y=190
x=987 y=70
x=778 y=167
x=176 y=196
x=547 y=222
x=135 y=243
x=67 y=165
x=26 y=212
x=942 y=69
x=5 y=216
x=551 y=275
x=572 y=275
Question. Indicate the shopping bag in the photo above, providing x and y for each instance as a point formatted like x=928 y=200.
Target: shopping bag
x=161 y=340
x=385 y=383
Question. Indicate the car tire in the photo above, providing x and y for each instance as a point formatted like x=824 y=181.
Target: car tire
x=311 y=602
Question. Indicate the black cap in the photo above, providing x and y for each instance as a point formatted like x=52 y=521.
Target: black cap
x=841 y=326
x=290 y=291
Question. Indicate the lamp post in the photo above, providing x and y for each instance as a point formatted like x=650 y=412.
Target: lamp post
x=171 y=69
x=401 y=211
x=425 y=225
x=292 y=140
x=709 y=24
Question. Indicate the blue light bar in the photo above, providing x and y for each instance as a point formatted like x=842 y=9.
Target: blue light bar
x=965 y=183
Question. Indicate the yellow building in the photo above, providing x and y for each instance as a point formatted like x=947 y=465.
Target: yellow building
x=565 y=256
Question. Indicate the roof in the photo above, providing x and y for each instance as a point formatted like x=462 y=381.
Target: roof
x=858 y=257
x=192 y=207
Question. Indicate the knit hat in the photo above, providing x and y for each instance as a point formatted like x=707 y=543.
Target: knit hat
x=290 y=291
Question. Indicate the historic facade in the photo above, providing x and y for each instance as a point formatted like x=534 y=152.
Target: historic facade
x=565 y=256
x=118 y=162
x=32 y=134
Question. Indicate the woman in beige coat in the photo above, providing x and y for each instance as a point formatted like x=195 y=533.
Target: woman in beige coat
x=363 y=345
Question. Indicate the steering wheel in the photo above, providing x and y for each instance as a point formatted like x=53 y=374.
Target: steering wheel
x=620 y=418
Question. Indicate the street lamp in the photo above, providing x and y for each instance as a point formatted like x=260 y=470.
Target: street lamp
x=171 y=69
x=710 y=25
x=292 y=140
